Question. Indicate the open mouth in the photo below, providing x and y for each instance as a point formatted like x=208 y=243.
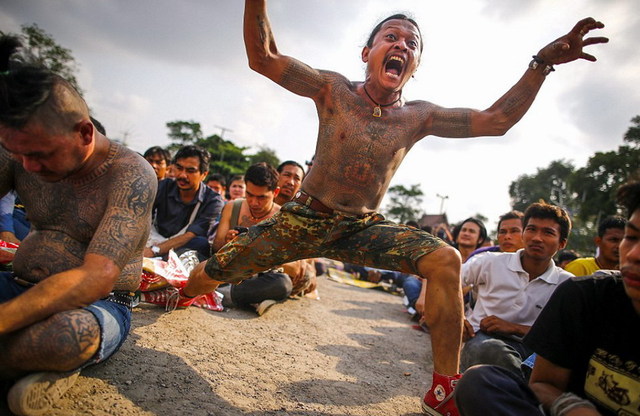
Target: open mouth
x=394 y=66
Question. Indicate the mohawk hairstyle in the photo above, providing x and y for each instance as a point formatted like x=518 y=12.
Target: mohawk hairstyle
x=24 y=85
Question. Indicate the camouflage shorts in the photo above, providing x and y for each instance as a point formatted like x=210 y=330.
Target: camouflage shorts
x=298 y=232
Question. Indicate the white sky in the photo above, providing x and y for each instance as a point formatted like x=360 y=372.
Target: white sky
x=144 y=63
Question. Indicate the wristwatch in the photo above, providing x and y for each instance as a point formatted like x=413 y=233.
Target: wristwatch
x=155 y=250
x=536 y=62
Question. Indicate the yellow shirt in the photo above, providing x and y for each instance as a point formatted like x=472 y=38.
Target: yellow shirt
x=585 y=266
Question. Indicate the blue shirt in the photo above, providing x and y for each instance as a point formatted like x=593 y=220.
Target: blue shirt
x=170 y=214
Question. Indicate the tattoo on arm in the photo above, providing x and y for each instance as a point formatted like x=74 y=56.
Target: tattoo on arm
x=301 y=79
x=452 y=123
x=514 y=102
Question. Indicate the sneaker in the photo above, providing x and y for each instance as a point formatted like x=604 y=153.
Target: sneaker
x=263 y=307
x=439 y=399
x=225 y=291
x=36 y=393
x=171 y=298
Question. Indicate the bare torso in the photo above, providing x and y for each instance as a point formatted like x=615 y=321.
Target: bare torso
x=103 y=213
x=357 y=154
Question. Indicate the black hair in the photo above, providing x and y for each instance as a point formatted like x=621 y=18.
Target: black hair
x=511 y=215
x=628 y=196
x=290 y=163
x=24 y=86
x=219 y=178
x=163 y=153
x=543 y=210
x=612 y=221
x=262 y=174
x=483 y=230
x=398 y=16
x=98 y=126
x=566 y=255
x=194 y=151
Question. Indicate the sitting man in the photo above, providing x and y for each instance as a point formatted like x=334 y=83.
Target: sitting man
x=184 y=207
x=67 y=303
x=512 y=289
x=14 y=225
x=468 y=236
x=587 y=344
x=290 y=176
x=266 y=288
x=509 y=235
x=218 y=183
x=610 y=233
x=159 y=159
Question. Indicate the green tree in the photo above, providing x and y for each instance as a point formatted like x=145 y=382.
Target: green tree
x=265 y=154
x=587 y=193
x=226 y=158
x=45 y=51
x=549 y=184
x=405 y=203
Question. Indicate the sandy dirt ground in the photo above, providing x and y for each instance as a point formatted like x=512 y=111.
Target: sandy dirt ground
x=353 y=352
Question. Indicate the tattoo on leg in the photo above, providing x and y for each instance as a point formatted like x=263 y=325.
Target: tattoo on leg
x=61 y=343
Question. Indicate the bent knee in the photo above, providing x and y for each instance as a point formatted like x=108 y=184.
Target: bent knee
x=444 y=262
x=74 y=338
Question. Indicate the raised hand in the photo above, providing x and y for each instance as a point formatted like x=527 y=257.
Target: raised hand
x=570 y=46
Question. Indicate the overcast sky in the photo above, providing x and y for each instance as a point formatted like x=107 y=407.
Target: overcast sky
x=143 y=63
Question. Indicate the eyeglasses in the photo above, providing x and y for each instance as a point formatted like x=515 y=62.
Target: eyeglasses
x=181 y=168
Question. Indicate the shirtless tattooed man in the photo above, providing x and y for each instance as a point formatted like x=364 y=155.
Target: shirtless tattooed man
x=366 y=129
x=67 y=303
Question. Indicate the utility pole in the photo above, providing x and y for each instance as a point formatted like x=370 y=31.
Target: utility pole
x=442 y=198
x=223 y=130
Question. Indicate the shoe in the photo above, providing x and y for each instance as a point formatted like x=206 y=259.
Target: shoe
x=225 y=291
x=36 y=393
x=171 y=298
x=439 y=399
x=263 y=307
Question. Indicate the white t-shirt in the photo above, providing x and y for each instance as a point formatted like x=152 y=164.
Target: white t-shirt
x=502 y=288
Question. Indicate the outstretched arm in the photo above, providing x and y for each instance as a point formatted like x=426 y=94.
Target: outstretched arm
x=509 y=109
x=265 y=59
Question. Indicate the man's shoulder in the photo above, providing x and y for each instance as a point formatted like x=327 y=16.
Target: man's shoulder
x=128 y=160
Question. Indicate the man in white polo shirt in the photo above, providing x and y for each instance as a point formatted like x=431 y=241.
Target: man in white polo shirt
x=512 y=288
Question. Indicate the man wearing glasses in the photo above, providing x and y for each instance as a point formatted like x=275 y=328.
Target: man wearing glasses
x=184 y=207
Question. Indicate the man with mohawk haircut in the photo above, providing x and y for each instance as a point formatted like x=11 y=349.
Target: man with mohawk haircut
x=67 y=304
x=365 y=130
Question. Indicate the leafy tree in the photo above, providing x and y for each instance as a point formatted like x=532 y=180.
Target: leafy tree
x=265 y=154
x=226 y=158
x=633 y=133
x=405 y=203
x=549 y=184
x=587 y=193
x=45 y=51
x=183 y=133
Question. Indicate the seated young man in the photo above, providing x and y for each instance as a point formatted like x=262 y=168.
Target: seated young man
x=587 y=344
x=67 y=304
x=512 y=288
x=266 y=288
x=184 y=207
x=610 y=232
